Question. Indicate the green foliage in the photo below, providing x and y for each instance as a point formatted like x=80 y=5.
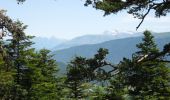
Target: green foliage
x=75 y=77
x=92 y=70
x=24 y=73
x=96 y=66
x=145 y=79
x=148 y=46
x=135 y=7
x=45 y=68
x=138 y=8
x=29 y=75
x=98 y=92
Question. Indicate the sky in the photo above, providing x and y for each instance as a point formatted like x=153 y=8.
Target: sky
x=66 y=19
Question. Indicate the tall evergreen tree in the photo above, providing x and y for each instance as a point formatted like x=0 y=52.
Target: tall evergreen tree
x=148 y=45
x=146 y=79
x=43 y=76
x=10 y=56
x=24 y=74
x=75 y=77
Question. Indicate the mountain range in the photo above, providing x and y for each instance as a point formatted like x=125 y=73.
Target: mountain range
x=94 y=39
x=59 y=44
x=118 y=48
x=119 y=45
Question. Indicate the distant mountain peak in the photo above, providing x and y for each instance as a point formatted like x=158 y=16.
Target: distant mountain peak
x=95 y=38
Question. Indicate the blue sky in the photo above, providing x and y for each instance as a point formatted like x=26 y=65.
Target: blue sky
x=69 y=18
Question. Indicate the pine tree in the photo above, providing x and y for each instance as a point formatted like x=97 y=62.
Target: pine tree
x=145 y=79
x=98 y=65
x=43 y=76
x=148 y=45
x=93 y=71
x=75 y=77
x=24 y=74
x=13 y=30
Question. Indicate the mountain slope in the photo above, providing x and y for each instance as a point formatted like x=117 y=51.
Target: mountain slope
x=117 y=48
x=94 y=39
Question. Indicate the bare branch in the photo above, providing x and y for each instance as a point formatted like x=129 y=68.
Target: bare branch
x=143 y=17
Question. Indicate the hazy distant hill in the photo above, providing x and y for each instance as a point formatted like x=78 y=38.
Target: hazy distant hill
x=48 y=43
x=94 y=39
x=118 y=48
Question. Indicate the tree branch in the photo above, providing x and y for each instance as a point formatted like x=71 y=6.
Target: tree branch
x=143 y=17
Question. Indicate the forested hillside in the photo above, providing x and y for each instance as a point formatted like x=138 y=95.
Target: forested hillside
x=118 y=48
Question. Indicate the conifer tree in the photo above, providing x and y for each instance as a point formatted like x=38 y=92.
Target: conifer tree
x=43 y=76
x=13 y=30
x=145 y=79
x=93 y=71
x=75 y=77
x=24 y=74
